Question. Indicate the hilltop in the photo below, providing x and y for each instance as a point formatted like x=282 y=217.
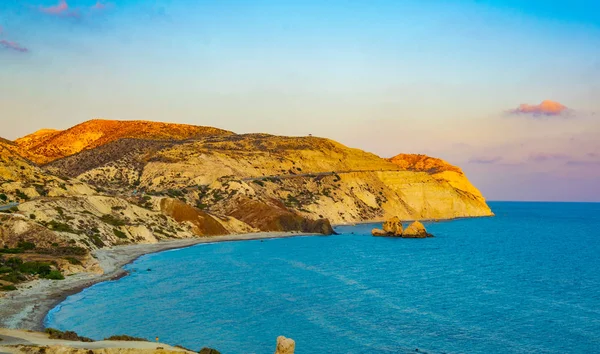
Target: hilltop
x=47 y=145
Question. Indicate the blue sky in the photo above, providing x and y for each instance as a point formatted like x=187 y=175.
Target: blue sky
x=444 y=78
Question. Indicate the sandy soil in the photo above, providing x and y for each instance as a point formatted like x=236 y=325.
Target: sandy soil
x=11 y=337
x=27 y=307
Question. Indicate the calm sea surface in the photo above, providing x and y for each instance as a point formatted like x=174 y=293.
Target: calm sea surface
x=525 y=281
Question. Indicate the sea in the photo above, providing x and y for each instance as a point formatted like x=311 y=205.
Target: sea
x=524 y=281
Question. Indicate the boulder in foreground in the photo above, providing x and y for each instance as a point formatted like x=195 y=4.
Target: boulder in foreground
x=416 y=230
x=285 y=345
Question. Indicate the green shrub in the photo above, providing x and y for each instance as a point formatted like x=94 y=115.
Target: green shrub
x=41 y=268
x=21 y=195
x=97 y=241
x=26 y=245
x=3 y=197
x=126 y=338
x=8 y=288
x=54 y=275
x=61 y=227
x=68 y=335
x=14 y=277
x=112 y=220
x=73 y=260
x=119 y=233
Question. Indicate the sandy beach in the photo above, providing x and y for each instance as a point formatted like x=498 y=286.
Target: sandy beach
x=27 y=307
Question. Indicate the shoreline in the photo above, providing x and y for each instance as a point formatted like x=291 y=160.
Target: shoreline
x=27 y=307
x=409 y=221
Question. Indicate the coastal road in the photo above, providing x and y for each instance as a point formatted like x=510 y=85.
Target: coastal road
x=8 y=206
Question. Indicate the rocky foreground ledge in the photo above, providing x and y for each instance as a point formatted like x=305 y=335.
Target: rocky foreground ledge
x=55 y=342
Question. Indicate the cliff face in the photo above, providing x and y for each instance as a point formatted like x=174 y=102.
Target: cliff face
x=308 y=176
x=226 y=182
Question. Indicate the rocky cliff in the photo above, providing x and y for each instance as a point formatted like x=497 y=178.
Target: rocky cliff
x=309 y=176
x=105 y=183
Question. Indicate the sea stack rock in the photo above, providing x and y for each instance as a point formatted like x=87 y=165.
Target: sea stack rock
x=285 y=345
x=378 y=232
x=393 y=226
x=416 y=230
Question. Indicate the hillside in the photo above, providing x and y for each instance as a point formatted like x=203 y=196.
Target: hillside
x=110 y=183
x=260 y=174
x=48 y=145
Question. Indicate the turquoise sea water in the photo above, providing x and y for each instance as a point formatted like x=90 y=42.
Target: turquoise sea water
x=525 y=281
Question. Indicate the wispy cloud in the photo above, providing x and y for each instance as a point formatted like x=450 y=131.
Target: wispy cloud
x=543 y=157
x=546 y=108
x=582 y=163
x=485 y=160
x=61 y=9
x=99 y=6
x=12 y=46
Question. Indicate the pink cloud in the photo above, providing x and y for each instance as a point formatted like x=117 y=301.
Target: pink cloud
x=543 y=157
x=99 y=6
x=485 y=160
x=12 y=46
x=61 y=9
x=546 y=108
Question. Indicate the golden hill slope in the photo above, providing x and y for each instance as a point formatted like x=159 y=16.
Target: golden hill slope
x=47 y=145
x=309 y=176
x=438 y=169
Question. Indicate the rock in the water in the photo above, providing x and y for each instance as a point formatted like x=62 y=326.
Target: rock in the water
x=285 y=345
x=393 y=226
x=378 y=232
x=416 y=230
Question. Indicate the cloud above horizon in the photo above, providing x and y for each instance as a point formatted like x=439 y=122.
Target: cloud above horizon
x=485 y=160
x=546 y=108
x=99 y=6
x=61 y=9
x=13 y=46
x=543 y=157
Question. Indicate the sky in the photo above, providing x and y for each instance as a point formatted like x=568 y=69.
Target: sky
x=508 y=90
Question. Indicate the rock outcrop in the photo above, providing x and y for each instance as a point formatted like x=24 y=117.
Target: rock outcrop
x=416 y=230
x=202 y=223
x=378 y=232
x=285 y=345
x=393 y=226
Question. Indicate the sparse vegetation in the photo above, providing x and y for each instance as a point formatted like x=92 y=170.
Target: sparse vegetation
x=126 y=338
x=60 y=227
x=73 y=260
x=67 y=335
x=112 y=220
x=119 y=233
